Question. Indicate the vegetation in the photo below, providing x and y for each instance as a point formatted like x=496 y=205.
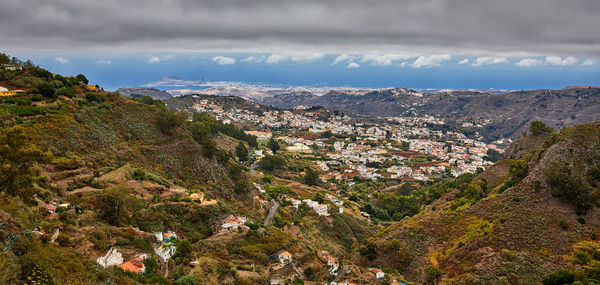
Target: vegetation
x=272 y=162
x=241 y=152
x=539 y=128
x=18 y=159
x=116 y=204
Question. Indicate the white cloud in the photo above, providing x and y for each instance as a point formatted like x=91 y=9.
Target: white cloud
x=489 y=60
x=295 y=56
x=464 y=61
x=557 y=60
x=405 y=63
x=223 y=60
x=103 y=61
x=588 y=62
x=61 y=60
x=344 y=58
x=528 y=62
x=154 y=59
x=306 y=57
x=275 y=58
x=384 y=59
x=353 y=65
x=254 y=59
x=430 y=60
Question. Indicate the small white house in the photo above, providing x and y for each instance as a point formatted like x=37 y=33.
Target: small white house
x=285 y=257
x=378 y=273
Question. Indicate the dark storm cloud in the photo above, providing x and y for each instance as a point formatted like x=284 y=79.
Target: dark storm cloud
x=471 y=26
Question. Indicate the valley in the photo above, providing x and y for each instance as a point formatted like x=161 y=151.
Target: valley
x=386 y=187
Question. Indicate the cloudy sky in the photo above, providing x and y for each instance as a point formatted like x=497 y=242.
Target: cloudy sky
x=462 y=43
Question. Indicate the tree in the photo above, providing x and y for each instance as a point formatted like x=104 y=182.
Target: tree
x=4 y=58
x=492 y=155
x=151 y=265
x=560 y=277
x=369 y=251
x=47 y=90
x=273 y=145
x=519 y=169
x=168 y=121
x=476 y=190
x=147 y=100
x=311 y=176
x=184 y=247
x=241 y=152
x=272 y=162
x=82 y=79
x=432 y=274
x=116 y=204
x=18 y=158
x=538 y=128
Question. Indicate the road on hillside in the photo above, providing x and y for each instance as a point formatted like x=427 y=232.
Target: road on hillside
x=271 y=212
x=341 y=272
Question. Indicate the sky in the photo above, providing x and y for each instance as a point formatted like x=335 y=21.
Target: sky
x=480 y=44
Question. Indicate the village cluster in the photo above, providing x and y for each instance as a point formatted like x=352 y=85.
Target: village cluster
x=358 y=149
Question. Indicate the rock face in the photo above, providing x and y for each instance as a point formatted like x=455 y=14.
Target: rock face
x=144 y=91
x=112 y=258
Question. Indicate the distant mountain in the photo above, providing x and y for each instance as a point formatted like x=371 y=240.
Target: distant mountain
x=490 y=114
x=147 y=91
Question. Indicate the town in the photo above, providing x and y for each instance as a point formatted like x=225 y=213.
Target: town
x=343 y=147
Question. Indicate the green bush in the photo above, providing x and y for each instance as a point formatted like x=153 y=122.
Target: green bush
x=570 y=187
x=432 y=274
x=168 y=121
x=538 y=128
x=47 y=90
x=94 y=97
x=559 y=277
x=272 y=162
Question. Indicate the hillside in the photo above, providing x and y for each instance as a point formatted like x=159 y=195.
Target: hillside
x=534 y=212
x=144 y=91
x=88 y=175
x=500 y=115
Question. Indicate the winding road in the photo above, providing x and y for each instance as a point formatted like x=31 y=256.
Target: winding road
x=271 y=212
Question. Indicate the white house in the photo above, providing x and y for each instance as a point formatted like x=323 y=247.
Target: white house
x=165 y=251
x=233 y=222
x=285 y=257
x=378 y=273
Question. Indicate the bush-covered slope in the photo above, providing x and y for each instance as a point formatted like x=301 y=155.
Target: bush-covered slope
x=528 y=221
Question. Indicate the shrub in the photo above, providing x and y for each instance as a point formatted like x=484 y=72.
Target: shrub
x=47 y=90
x=582 y=257
x=311 y=177
x=369 y=251
x=538 y=128
x=63 y=239
x=116 y=204
x=569 y=187
x=432 y=274
x=563 y=225
x=510 y=256
x=66 y=91
x=241 y=152
x=560 y=277
x=272 y=162
x=93 y=97
x=168 y=122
